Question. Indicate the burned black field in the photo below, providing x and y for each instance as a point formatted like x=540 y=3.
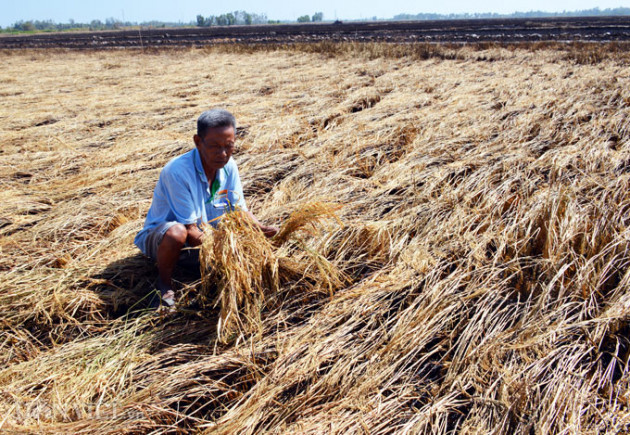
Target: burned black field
x=586 y=29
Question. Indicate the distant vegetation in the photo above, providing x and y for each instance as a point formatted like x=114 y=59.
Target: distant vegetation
x=595 y=12
x=249 y=18
x=317 y=16
x=232 y=18
x=109 y=24
x=244 y=18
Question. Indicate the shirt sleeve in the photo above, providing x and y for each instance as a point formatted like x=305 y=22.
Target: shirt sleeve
x=179 y=197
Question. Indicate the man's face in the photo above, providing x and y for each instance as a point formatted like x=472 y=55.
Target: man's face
x=216 y=147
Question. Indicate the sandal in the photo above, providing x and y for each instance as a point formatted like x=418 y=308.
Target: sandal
x=168 y=298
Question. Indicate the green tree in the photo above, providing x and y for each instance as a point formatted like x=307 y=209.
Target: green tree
x=112 y=23
x=96 y=25
x=201 y=21
x=318 y=16
x=304 y=19
x=222 y=20
x=259 y=19
x=231 y=19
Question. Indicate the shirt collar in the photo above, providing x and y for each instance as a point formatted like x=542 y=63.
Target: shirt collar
x=199 y=166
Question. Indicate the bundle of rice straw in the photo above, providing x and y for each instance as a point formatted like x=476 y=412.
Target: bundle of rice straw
x=305 y=218
x=243 y=267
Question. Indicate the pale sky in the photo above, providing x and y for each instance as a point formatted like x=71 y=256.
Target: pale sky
x=61 y=11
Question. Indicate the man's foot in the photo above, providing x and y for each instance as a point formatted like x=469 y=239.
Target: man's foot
x=167 y=296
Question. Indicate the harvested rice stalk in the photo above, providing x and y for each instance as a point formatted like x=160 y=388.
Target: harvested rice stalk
x=241 y=262
x=305 y=218
x=244 y=267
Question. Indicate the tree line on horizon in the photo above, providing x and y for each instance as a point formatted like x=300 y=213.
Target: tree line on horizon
x=242 y=18
x=108 y=24
x=595 y=12
x=248 y=18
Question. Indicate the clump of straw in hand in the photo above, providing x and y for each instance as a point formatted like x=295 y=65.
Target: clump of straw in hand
x=245 y=267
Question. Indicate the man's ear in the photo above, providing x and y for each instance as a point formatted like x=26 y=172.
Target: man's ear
x=197 y=140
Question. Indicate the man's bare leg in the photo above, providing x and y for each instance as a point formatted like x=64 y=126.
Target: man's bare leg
x=168 y=253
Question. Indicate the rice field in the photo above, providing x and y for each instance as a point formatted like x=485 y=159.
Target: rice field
x=454 y=256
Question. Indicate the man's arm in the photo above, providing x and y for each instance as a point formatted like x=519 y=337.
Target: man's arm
x=268 y=231
x=195 y=235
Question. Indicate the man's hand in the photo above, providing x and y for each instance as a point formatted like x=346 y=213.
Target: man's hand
x=268 y=231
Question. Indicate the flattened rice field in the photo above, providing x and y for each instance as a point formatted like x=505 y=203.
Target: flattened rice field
x=482 y=241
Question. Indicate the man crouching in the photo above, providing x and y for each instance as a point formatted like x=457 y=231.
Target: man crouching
x=194 y=188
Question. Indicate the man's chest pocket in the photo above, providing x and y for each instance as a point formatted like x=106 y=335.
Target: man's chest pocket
x=225 y=200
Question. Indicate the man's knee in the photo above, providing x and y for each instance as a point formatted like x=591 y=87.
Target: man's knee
x=176 y=235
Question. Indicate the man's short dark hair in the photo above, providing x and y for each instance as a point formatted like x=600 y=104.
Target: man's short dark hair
x=214 y=118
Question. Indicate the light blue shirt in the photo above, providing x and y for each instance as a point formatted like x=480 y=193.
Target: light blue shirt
x=182 y=194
